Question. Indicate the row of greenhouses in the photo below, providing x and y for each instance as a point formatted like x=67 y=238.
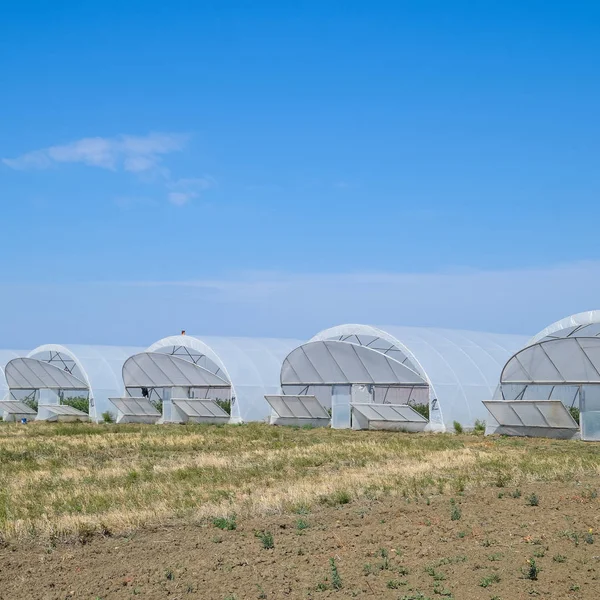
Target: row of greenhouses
x=348 y=376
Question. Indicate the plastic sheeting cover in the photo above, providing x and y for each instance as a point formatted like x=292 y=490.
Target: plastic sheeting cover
x=32 y=374
x=558 y=361
x=5 y=356
x=252 y=365
x=99 y=366
x=341 y=362
x=462 y=367
x=304 y=407
x=153 y=369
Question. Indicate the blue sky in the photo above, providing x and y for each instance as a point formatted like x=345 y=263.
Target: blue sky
x=279 y=167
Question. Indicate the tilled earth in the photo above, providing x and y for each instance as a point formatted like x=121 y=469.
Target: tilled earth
x=394 y=547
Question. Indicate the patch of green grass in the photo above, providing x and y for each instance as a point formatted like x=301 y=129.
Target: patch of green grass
x=301 y=524
x=479 y=427
x=533 y=500
x=458 y=428
x=489 y=580
x=495 y=557
x=337 y=498
x=336 y=580
x=455 y=512
x=437 y=575
x=559 y=558
x=266 y=539
x=395 y=584
x=225 y=523
x=440 y=590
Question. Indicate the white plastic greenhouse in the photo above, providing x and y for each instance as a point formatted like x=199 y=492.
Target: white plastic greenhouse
x=51 y=374
x=559 y=364
x=5 y=356
x=451 y=370
x=201 y=379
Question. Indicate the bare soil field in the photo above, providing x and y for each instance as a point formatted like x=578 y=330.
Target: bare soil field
x=225 y=513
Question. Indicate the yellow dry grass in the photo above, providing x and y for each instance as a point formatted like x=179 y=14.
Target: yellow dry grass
x=75 y=479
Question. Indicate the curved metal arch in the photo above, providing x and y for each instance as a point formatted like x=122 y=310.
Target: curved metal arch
x=583 y=318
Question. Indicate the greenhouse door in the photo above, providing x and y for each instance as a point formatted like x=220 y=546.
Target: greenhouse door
x=340 y=407
x=590 y=413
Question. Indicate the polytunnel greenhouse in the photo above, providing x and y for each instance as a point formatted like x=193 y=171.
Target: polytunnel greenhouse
x=187 y=378
x=557 y=371
x=61 y=383
x=368 y=372
x=5 y=356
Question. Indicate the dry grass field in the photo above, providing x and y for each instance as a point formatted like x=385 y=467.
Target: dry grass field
x=252 y=511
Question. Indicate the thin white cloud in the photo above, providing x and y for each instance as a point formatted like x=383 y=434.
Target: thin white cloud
x=135 y=154
x=185 y=190
x=299 y=305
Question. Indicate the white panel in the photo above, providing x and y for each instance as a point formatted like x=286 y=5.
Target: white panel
x=337 y=362
x=135 y=406
x=528 y=413
x=297 y=406
x=532 y=414
x=31 y=374
x=153 y=369
x=503 y=413
x=12 y=407
x=389 y=412
x=200 y=408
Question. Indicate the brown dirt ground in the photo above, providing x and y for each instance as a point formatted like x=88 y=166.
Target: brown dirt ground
x=495 y=535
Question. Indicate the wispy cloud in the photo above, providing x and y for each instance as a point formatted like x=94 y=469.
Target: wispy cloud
x=135 y=154
x=184 y=190
x=299 y=305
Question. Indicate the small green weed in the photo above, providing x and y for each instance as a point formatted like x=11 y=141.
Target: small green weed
x=338 y=498
x=533 y=500
x=225 y=523
x=559 y=558
x=437 y=575
x=336 y=580
x=489 y=580
x=532 y=571
x=266 y=539
x=458 y=428
x=169 y=575
x=455 y=512
x=395 y=584
x=516 y=493
x=301 y=524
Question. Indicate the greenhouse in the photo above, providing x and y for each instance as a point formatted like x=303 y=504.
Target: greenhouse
x=202 y=379
x=560 y=366
x=64 y=383
x=5 y=356
x=443 y=373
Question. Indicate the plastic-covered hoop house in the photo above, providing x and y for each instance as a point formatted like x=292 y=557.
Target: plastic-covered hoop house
x=451 y=370
x=5 y=357
x=237 y=370
x=52 y=370
x=562 y=362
